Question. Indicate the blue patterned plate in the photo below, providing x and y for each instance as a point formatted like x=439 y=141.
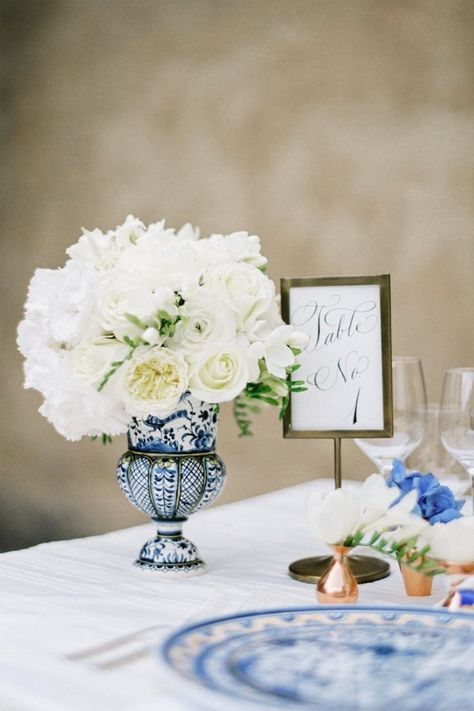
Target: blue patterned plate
x=330 y=658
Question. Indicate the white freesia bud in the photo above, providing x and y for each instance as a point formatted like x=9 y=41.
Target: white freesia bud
x=278 y=354
x=151 y=336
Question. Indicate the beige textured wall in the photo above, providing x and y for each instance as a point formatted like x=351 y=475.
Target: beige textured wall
x=341 y=131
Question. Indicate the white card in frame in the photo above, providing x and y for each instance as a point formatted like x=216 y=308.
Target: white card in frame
x=346 y=365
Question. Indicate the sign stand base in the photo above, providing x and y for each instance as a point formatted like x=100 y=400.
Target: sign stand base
x=365 y=568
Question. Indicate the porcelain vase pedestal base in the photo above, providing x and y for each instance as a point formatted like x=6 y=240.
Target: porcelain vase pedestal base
x=171 y=553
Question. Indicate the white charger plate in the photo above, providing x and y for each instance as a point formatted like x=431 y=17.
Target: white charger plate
x=329 y=658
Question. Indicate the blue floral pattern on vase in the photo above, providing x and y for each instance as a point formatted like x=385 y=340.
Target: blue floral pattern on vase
x=191 y=428
x=170 y=471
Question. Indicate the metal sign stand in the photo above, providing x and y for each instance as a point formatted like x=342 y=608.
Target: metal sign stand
x=366 y=568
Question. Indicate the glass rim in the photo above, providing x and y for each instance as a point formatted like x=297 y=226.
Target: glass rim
x=405 y=359
x=466 y=369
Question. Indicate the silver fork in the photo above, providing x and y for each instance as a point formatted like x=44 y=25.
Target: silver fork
x=134 y=645
x=101 y=656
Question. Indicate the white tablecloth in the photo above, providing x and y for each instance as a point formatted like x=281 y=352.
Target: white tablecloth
x=60 y=597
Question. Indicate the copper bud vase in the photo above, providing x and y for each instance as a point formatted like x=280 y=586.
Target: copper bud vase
x=416 y=584
x=337 y=584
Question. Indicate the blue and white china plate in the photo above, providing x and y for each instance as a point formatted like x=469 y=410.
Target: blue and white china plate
x=328 y=658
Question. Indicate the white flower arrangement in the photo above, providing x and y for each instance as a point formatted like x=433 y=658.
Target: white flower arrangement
x=140 y=315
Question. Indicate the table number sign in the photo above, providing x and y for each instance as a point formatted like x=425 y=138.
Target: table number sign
x=346 y=365
x=346 y=368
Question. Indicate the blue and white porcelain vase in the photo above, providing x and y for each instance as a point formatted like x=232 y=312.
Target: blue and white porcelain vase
x=170 y=470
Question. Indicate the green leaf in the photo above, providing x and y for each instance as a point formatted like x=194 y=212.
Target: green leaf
x=136 y=321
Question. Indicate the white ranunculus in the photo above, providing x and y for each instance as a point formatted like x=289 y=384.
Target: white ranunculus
x=205 y=320
x=453 y=541
x=334 y=516
x=220 y=374
x=152 y=382
x=92 y=360
x=277 y=351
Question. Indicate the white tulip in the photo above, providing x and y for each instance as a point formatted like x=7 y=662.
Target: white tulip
x=334 y=516
x=347 y=511
x=453 y=541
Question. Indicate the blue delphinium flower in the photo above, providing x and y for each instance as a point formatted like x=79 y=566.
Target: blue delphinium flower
x=435 y=502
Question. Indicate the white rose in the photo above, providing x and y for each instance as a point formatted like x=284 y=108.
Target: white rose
x=453 y=541
x=247 y=290
x=219 y=375
x=205 y=320
x=153 y=381
x=277 y=352
x=92 y=360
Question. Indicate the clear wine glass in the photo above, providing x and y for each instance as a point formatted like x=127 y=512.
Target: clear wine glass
x=456 y=419
x=409 y=416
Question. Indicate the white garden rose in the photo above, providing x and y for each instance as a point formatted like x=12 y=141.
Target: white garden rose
x=220 y=374
x=92 y=360
x=153 y=381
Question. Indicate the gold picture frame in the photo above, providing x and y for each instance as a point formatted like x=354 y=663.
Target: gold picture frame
x=383 y=282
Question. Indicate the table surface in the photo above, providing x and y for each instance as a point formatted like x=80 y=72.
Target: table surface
x=61 y=597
